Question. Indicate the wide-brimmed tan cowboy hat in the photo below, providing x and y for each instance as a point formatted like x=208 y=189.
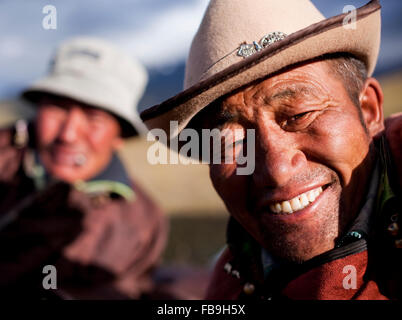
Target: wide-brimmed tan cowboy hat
x=241 y=41
x=96 y=73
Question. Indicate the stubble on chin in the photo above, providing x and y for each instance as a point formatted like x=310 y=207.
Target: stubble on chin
x=299 y=243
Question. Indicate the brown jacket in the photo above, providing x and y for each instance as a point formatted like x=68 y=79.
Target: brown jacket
x=103 y=245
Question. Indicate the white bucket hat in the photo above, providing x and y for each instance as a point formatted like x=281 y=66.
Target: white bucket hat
x=96 y=73
x=242 y=41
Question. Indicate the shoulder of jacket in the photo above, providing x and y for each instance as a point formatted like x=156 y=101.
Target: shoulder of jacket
x=225 y=281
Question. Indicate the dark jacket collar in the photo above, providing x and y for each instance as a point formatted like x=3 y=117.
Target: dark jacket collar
x=115 y=171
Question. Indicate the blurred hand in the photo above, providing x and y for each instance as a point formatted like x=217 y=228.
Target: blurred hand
x=44 y=226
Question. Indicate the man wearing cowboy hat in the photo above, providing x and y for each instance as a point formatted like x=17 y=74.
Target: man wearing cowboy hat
x=66 y=199
x=319 y=216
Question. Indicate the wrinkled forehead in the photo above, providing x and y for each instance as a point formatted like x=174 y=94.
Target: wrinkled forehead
x=306 y=82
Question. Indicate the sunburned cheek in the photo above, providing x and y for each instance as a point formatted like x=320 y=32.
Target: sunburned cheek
x=99 y=142
x=232 y=188
x=47 y=133
x=340 y=146
x=220 y=173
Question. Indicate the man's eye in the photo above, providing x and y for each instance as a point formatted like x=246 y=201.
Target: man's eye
x=95 y=117
x=299 y=121
x=299 y=116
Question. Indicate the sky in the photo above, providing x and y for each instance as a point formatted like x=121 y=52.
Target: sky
x=157 y=32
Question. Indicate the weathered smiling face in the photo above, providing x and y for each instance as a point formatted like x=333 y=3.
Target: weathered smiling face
x=75 y=141
x=312 y=163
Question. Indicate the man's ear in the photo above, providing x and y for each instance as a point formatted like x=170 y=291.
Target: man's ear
x=371 y=103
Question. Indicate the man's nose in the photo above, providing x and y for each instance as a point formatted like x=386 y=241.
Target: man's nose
x=278 y=158
x=73 y=126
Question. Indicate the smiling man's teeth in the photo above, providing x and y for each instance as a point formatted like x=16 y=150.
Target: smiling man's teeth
x=297 y=203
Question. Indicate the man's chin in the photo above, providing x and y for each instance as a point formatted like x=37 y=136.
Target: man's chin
x=298 y=244
x=304 y=234
x=295 y=251
x=69 y=174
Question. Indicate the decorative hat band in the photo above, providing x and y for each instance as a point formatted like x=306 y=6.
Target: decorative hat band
x=245 y=50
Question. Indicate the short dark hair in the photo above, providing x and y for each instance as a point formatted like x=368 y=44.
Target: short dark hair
x=351 y=70
x=353 y=73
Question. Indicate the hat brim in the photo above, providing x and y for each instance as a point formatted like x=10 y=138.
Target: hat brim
x=82 y=90
x=327 y=36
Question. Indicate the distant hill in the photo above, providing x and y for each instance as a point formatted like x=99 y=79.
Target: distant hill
x=162 y=85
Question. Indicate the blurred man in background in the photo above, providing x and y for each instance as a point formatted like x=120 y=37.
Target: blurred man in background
x=67 y=204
